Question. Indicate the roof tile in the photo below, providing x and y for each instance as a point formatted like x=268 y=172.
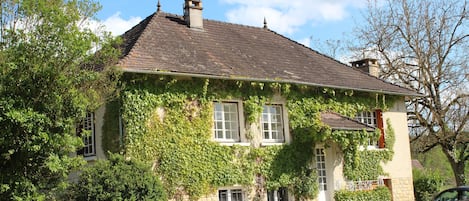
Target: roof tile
x=164 y=43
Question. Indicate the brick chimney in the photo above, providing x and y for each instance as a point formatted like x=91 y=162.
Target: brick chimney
x=193 y=14
x=367 y=65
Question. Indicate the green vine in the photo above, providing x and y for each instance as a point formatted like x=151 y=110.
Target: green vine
x=366 y=164
x=168 y=122
x=111 y=139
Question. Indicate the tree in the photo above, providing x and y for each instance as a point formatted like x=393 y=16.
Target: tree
x=118 y=179
x=423 y=46
x=426 y=184
x=48 y=81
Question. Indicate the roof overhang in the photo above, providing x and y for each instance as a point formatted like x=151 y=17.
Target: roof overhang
x=186 y=74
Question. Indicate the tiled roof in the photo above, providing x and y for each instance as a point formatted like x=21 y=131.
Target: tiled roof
x=163 y=44
x=339 y=122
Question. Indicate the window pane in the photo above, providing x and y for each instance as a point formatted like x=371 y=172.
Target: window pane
x=219 y=134
x=236 y=195
x=218 y=116
x=266 y=135
x=85 y=129
x=272 y=123
x=223 y=195
x=228 y=135
x=226 y=121
x=282 y=194
x=270 y=195
x=368 y=118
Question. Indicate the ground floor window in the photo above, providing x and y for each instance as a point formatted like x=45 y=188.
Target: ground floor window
x=280 y=194
x=230 y=195
x=85 y=129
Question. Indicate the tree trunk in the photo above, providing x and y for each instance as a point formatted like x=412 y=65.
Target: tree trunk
x=458 y=168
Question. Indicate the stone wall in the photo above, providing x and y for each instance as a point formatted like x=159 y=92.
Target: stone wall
x=402 y=189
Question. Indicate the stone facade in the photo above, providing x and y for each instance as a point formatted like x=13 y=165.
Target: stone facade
x=402 y=189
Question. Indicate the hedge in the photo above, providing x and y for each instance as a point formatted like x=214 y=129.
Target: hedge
x=378 y=194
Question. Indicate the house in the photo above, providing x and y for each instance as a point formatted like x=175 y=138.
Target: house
x=232 y=112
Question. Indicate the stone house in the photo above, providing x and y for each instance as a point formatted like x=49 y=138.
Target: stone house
x=233 y=112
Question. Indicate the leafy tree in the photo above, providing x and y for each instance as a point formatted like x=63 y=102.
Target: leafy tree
x=118 y=179
x=435 y=160
x=47 y=83
x=423 y=46
x=426 y=184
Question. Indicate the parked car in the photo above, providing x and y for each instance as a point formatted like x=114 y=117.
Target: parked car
x=460 y=193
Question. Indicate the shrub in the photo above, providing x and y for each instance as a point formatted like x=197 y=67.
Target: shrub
x=426 y=183
x=117 y=179
x=378 y=194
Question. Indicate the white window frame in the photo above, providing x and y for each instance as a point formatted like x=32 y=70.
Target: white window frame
x=89 y=141
x=369 y=118
x=320 y=154
x=269 y=121
x=242 y=141
x=229 y=194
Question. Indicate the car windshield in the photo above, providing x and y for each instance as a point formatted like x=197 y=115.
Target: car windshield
x=453 y=195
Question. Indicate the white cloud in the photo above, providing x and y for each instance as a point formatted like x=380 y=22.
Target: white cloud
x=305 y=41
x=286 y=17
x=117 y=25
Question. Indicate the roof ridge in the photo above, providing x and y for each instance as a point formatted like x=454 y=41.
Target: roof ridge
x=217 y=21
x=231 y=23
x=138 y=36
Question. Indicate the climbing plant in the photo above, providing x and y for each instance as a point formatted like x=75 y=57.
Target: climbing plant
x=366 y=164
x=168 y=121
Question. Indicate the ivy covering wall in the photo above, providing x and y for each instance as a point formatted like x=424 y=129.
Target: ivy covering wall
x=168 y=122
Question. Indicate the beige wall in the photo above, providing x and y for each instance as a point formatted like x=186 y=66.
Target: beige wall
x=335 y=165
x=98 y=126
x=334 y=169
x=400 y=167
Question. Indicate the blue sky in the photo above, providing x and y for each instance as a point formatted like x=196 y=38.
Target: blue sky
x=296 y=19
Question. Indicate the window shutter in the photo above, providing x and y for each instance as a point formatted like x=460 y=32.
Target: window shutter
x=380 y=124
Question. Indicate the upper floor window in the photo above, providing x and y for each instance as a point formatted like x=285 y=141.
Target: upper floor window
x=374 y=119
x=367 y=117
x=272 y=127
x=226 y=121
x=85 y=129
x=230 y=195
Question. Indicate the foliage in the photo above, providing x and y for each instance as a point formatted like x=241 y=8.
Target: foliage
x=288 y=166
x=168 y=122
x=435 y=160
x=378 y=194
x=426 y=184
x=45 y=87
x=366 y=164
x=111 y=136
x=117 y=179
x=422 y=46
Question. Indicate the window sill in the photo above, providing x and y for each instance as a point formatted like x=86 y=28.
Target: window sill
x=244 y=144
x=372 y=148
x=90 y=158
x=265 y=144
